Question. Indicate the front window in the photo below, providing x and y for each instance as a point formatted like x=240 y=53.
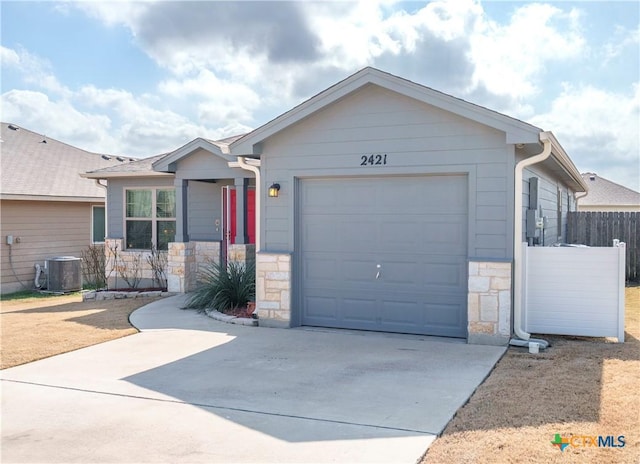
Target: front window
x=98 y=224
x=150 y=218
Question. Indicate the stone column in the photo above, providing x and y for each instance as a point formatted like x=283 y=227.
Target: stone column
x=182 y=267
x=206 y=253
x=245 y=253
x=489 y=303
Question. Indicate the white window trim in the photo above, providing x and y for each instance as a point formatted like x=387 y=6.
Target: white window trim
x=153 y=218
x=92 y=222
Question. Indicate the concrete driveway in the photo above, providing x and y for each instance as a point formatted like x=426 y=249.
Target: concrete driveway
x=191 y=389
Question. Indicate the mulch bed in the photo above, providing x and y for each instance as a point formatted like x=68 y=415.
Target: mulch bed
x=240 y=312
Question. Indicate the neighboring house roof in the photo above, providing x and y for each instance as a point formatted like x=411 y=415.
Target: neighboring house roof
x=603 y=192
x=525 y=136
x=36 y=167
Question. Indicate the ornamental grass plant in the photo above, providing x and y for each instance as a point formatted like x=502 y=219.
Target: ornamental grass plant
x=223 y=287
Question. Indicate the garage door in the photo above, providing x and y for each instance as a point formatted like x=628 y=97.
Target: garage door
x=385 y=254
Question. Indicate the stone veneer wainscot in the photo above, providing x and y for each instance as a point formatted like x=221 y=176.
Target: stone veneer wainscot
x=489 y=303
x=273 y=289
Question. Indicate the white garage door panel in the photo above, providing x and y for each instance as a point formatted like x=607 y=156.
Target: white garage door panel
x=413 y=227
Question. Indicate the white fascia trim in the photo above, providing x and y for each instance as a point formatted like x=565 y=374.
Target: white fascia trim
x=563 y=159
x=115 y=175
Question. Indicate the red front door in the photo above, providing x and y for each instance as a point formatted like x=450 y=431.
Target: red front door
x=229 y=210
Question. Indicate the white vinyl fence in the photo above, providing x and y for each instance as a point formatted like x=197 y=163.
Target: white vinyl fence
x=574 y=290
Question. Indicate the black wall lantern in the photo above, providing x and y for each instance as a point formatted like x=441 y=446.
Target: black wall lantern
x=273 y=190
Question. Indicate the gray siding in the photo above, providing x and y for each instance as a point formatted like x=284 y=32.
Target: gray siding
x=204 y=165
x=115 y=199
x=417 y=139
x=548 y=191
x=204 y=207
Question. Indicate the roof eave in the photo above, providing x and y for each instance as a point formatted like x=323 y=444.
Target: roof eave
x=516 y=131
x=563 y=160
x=114 y=175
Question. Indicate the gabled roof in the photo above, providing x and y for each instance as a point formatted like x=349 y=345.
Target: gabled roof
x=164 y=164
x=603 y=192
x=137 y=168
x=35 y=167
x=516 y=131
x=219 y=148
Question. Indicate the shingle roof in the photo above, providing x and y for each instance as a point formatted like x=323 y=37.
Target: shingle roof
x=142 y=166
x=227 y=140
x=35 y=165
x=603 y=192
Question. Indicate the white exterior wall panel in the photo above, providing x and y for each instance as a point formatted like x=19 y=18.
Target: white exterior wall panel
x=575 y=291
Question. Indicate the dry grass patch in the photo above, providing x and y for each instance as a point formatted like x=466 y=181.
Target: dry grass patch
x=36 y=328
x=578 y=386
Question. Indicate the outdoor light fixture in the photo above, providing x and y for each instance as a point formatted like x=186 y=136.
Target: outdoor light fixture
x=273 y=190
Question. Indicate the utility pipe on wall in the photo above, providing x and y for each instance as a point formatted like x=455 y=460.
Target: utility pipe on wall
x=255 y=168
x=517 y=242
x=106 y=209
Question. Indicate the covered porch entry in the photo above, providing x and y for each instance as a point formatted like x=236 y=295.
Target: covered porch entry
x=215 y=211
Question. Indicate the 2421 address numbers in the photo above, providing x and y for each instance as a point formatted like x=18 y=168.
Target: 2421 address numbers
x=373 y=160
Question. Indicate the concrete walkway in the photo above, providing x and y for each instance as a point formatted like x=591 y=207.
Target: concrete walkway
x=191 y=389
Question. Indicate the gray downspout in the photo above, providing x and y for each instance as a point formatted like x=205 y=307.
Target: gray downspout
x=106 y=192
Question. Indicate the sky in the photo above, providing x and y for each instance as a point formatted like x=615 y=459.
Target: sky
x=144 y=78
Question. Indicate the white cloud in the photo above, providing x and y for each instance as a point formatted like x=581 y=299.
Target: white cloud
x=9 y=57
x=451 y=45
x=35 y=70
x=220 y=102
x=114 y=121
x=622 y=39
x=221 y=76
x=510 y=59
x=599 y=129
x=58 y=119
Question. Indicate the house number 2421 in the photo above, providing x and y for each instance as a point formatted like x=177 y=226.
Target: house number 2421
x=373 y=160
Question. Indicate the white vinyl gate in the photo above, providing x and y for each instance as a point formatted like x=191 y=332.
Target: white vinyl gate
x=574 y=290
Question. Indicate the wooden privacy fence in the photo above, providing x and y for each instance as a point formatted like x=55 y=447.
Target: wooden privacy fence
x=599 y=229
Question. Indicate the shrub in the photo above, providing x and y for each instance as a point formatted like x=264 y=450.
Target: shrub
x=224 y=288
x=158 y=261
x=93 y=266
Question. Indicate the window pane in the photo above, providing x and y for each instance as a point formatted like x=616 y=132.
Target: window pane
x=139 y=235
x=166 y=233
x=166 y=203
x=98 y=224
x=139 y=203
